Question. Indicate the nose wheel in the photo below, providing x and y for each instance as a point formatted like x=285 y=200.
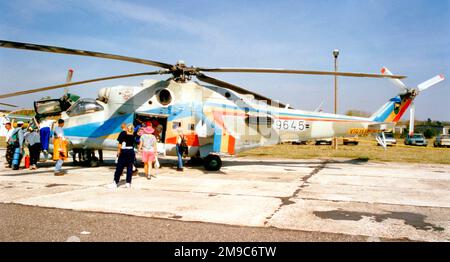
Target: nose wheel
x=86 y=157
x=212 y=163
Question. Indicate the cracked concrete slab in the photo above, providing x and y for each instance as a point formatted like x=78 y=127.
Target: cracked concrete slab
x=182 y=205
x=376 y=220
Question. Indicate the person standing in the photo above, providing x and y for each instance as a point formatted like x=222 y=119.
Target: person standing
x=59 y=148
x=125 y=151
x=9 y=144
x=147 y=147
x=137 y=129
x=33 y=140
x=123 y=127
x=180 y=148
x=17 y=138
x=45 y=134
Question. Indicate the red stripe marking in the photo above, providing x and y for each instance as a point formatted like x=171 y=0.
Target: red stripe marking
x=191 y=140
x=402 y=110
x=231 y=142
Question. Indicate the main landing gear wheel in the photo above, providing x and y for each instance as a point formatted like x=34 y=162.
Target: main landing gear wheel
x=87 y=158
x=94 y=162
x=212 y=163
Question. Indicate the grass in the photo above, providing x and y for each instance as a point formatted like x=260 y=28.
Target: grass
x=366 y=150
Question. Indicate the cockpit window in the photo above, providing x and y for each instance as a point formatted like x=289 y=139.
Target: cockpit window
x=84 y=106
x=48 y=106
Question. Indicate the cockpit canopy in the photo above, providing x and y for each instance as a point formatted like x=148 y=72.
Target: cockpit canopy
x=84 y=106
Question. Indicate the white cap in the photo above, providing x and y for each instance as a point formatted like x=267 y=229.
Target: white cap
x=20 y=123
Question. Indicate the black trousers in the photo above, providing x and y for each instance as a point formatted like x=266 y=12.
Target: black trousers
x=126 y=159
x=35 y=150
x=9 y=153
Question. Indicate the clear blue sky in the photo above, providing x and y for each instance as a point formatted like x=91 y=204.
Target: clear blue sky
x=410 y=37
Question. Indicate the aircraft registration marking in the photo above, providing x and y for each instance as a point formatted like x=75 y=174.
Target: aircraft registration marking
x=290 y=125
x=362 y=131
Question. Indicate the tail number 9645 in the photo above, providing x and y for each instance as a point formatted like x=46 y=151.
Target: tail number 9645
x=290 y=125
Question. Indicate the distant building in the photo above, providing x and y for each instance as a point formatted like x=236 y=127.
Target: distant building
x=398 y=129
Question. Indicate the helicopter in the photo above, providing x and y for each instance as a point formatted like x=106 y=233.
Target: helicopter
x=217 y=118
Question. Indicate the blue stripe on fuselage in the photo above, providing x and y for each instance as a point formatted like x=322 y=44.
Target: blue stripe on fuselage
x=99 y=129
x=112 y=125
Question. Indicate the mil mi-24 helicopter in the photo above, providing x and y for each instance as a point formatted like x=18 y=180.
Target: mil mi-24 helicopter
x=217 y=118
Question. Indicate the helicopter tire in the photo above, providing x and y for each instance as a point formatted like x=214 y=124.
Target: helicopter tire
x=94 y=162
x=212 y=163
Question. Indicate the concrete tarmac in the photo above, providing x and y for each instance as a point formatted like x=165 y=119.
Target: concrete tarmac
x=307 y=200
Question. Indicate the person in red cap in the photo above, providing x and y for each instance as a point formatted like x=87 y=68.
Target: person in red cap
x=148 y=148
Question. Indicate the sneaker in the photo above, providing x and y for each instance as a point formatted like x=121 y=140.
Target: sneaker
x=179 y=169
x=128 y=185
x=59 y=173
x=112 y=185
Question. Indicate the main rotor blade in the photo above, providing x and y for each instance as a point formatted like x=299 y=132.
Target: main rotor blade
x=5 y=104
x=291 y=71
x=62 y=50
x=240 y=90
x=24 y=92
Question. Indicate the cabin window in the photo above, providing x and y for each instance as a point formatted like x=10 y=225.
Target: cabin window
x=84 y=106
x=176 y=125
x=259 y=121
x=191 y=127
x=164 y=97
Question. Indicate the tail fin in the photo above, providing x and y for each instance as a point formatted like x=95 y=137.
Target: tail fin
x=393 y=110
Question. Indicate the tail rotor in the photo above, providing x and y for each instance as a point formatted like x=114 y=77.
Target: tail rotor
x=413 y=92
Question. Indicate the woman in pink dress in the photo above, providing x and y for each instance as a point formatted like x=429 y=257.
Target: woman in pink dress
x=148 y=148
